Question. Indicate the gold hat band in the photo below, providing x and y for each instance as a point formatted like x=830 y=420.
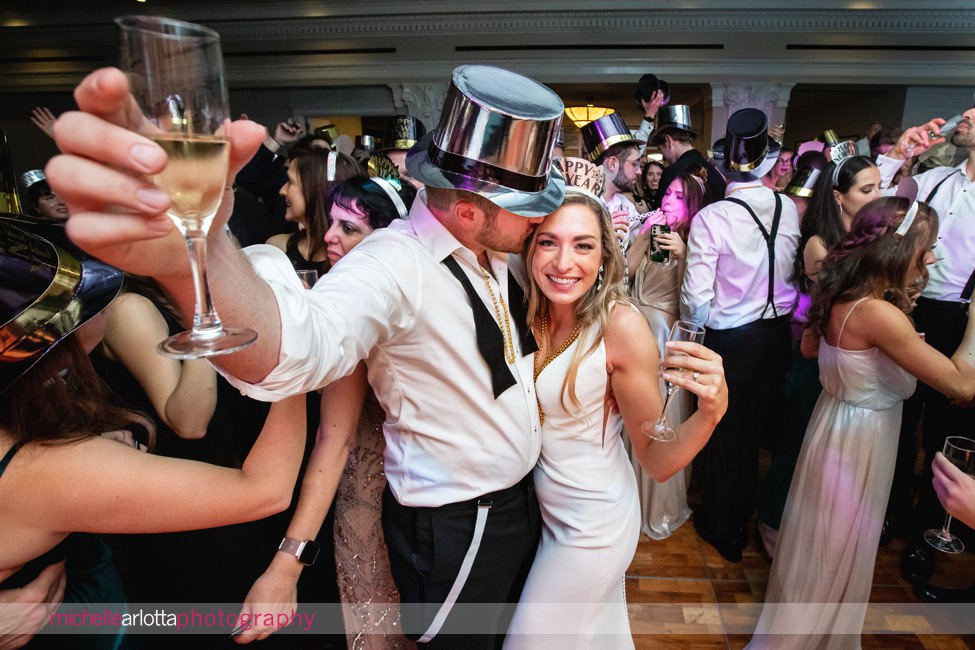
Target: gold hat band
x=604 y=146
x=47 y=319
x=747 y=167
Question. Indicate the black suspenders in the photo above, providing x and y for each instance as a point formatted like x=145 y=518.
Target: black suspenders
x=769 y=243
x=966 y=293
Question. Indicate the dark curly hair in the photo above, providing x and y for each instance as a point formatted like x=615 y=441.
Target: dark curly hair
x=870 y=258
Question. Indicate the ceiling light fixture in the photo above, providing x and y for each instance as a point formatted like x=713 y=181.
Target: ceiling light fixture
x=582 y=115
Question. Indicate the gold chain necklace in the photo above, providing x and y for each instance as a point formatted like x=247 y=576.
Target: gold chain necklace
x=509 y=344
x=549 y=358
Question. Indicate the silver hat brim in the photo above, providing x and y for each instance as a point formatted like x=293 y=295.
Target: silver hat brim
x=524 y=204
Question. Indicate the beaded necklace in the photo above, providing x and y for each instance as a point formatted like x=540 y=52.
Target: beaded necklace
x=540 y=362
x=503 y=323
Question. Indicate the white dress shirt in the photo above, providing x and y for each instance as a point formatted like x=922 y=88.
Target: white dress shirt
x=955 y=205
x=392 y=303
x=726 y=278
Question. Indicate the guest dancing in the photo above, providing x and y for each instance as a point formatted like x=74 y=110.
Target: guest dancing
x=54 y=460
x=655 y=291
x=592 y=342
x=843 y=188
x=869 y=357
x=309 y=174
x=347 y=462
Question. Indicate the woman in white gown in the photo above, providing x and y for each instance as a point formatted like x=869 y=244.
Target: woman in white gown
x=593 y=343
x=869 y=356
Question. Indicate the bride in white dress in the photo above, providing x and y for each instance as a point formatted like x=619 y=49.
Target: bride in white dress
x=869 y=357
x=594 y=344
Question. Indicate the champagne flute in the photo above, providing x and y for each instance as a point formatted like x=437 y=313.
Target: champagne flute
x=961 y=452
x=175 y=72
x=308 y=277
x=660 y=430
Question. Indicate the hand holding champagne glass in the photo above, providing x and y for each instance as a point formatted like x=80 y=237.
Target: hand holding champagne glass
x=961 y=452
x=175 y=72
x=661 y=430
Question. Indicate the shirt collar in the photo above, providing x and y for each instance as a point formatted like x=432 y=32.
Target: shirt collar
x=435 y=237
x=736 y=186
x=432 y=234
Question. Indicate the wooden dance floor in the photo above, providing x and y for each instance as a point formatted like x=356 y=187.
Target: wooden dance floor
x=694 y=579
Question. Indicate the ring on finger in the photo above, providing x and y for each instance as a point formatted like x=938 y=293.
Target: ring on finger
x=695 y=375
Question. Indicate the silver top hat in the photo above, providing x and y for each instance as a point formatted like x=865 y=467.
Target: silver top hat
x=599 y=135
x=746 y=152
x=495 y=138
x=366 y=142
x=33 y=176
x=671 y=118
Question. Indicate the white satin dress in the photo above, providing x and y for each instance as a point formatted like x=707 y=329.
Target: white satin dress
x=823 y=569
x=574 y=596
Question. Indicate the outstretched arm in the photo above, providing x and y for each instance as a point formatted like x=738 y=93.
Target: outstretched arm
x=119 y=217
x=277 y=588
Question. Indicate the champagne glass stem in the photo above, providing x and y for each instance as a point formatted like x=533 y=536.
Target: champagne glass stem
x=945 y=533
x=663 y=412
x=205 y=319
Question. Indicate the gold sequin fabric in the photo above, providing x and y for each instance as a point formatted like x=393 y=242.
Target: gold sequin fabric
x=371 y=612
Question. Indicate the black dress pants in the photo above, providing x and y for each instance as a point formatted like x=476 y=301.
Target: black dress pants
x=756 y=358
x=427 y=547
x=943 y=324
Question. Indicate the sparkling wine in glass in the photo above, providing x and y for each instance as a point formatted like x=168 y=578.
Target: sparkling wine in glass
x=660 y=430
x=961 y=452
x=175 y=72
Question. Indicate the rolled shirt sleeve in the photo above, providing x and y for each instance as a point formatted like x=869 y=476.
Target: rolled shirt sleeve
x=328 y=330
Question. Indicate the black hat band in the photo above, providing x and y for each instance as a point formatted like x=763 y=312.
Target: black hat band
x=749 y=166
x=485 y=172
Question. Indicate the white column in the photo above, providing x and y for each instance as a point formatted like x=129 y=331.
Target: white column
x=726 y=98
x=423 y=101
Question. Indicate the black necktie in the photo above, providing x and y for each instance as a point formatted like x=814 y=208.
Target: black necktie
x=490 y=340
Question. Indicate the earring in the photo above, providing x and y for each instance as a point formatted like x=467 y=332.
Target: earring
x=599 y=282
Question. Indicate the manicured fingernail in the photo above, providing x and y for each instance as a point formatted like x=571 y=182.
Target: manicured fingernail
x=153 y=198
x=670 y=344
x=147 y=156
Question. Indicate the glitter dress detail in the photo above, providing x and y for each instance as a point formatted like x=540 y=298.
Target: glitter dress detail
x=369 y=596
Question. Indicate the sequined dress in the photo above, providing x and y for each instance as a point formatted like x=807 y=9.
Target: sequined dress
x=370 y=598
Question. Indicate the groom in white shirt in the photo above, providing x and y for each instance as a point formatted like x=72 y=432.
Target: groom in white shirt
x=428 y=303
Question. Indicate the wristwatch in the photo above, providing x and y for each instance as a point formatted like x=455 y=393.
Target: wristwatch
x=305 y=551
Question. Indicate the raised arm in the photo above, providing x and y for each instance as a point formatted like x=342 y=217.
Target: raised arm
x=277 y=588
x=183 y=394
x=634 y=364
x=885 y=326
x=119 y=217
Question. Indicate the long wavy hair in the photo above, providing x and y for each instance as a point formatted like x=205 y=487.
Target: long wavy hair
x=61 y=399
x=594 y=309
x=312 y=168
x=871 y=257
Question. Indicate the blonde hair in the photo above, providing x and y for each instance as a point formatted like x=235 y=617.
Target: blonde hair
x=594 y=309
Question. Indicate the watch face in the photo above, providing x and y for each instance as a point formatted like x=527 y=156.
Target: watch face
x=309 y=553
